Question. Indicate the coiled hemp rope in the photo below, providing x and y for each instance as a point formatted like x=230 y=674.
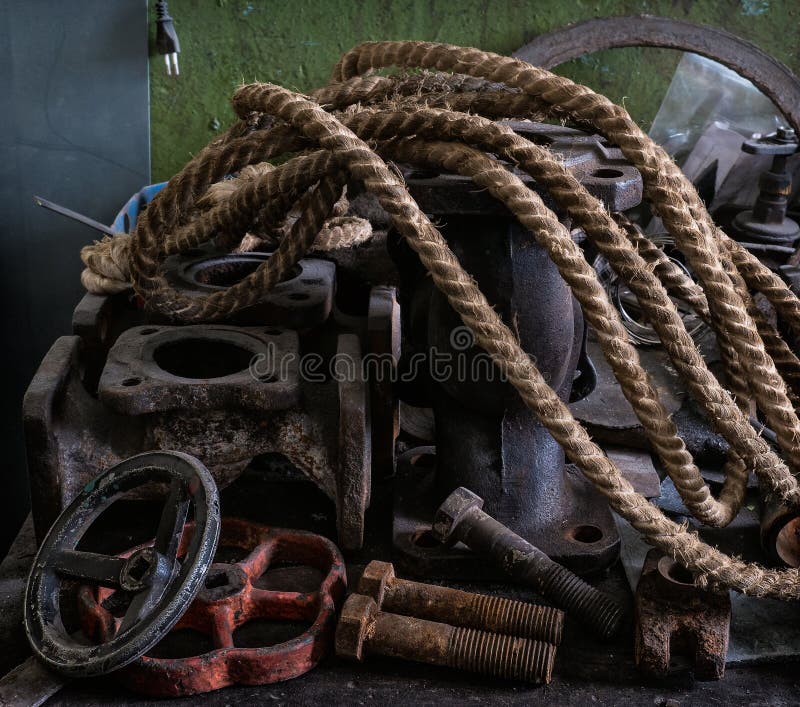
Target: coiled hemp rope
x=346 y=130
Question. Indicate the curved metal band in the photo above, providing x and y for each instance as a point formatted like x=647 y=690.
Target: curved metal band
x=769 y=75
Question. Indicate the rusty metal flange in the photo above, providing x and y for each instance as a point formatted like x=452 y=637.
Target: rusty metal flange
x=231 y=598
x=769 y=75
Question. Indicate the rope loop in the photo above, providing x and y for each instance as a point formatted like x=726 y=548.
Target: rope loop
x=443 y=118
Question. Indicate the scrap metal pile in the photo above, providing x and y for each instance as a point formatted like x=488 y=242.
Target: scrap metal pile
x=401 y=220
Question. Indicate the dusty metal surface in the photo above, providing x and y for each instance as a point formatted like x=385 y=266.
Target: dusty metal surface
x=772 y=77
x=128 y=381
x=584 y=541
x=364 y=630
x=201 y=368
x=676 y=620
x=606 y=407
x=587 y=532
x=234 y=595
x=383 y=334
x=459 y=608
x=637 y=468
x=303 y=302
x=612 y=422
x=155 y=586
x=30 y=684
x=600 y=167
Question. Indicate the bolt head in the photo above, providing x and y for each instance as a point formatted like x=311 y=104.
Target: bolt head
x=358 y=615
x=786 y=134
x=452 y=512
x=377 y=575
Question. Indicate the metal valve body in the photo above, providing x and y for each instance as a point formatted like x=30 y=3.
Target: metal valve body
x=486 y=438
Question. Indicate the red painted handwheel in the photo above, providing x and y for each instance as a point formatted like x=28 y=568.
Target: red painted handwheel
x=228 y=600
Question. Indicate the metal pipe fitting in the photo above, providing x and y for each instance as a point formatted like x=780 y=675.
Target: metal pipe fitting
x=483 y=612
x=365 y=630
x=461 y=518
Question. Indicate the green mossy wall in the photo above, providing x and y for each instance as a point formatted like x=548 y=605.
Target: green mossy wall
x=295 y=44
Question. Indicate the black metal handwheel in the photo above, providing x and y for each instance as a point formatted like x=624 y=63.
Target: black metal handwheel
x=160 y=585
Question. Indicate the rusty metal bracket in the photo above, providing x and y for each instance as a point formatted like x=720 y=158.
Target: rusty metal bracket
x=677 y=621
x=230 y=598
x=769 y=75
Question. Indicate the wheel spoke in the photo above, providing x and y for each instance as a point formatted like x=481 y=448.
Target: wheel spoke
x=140 y=605
x=168 y=538
x=173 y=517
x=103 y=569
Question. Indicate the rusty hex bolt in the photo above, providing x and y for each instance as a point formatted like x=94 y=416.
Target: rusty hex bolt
x=460 y=518
x=365 y=630
x=458 y=608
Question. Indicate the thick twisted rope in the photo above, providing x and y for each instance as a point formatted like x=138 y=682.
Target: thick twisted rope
x=416 y=119
x=673 y=198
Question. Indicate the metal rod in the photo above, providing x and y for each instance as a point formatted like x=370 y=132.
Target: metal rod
x=75 y=216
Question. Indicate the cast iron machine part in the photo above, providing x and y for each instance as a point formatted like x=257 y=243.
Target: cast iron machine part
x=226 y=394
x=485 y=612
x=302 y=302
x=486 y=438
x=158 y=586
x=679 y=625
x=232 y=595
x=460 y=519
x=365 y=630
x=767 y=222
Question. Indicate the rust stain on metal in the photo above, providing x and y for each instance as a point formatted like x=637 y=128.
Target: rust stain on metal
x=679 y=626
x=459 y=608
x=364 y=630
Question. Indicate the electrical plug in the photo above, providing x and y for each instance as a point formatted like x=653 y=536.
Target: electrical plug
x=167 y=38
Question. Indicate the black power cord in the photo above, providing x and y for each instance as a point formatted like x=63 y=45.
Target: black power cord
x=167 y=38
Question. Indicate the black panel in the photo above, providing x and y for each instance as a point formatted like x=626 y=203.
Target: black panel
x=74 y=128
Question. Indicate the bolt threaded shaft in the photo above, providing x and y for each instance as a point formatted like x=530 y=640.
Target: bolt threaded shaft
x=460 y=518
x=501 y=656
x=575 y=596
x=517 y=618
